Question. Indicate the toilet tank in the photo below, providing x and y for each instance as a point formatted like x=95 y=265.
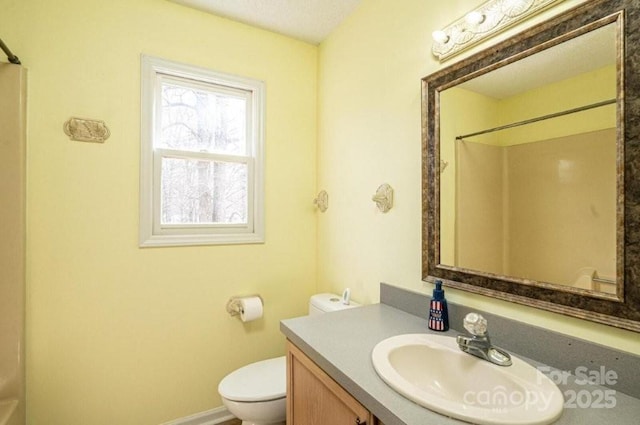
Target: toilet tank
x=324 y=303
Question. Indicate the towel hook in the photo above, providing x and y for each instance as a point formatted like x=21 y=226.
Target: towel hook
x=322 y=201
x=384 y=197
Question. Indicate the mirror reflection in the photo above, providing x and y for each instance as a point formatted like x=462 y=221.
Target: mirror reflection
x=528 y=168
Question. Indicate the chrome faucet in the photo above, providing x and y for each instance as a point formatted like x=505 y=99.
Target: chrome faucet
x=479 y=344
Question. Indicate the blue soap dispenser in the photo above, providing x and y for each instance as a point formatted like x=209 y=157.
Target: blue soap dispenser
x=438 y=314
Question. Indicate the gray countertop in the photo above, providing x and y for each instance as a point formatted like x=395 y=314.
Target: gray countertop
x=341 y=343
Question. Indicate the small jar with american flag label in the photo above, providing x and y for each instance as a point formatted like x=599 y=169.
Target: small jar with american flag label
x=438 y=314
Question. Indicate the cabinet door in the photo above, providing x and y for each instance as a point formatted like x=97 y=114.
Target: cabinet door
x=313 y=398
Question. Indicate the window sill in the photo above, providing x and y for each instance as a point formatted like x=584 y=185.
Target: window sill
x=198 y=240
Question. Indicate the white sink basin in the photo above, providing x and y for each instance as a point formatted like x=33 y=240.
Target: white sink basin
x=432 y=371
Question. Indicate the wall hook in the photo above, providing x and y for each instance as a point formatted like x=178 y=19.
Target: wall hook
x=322 y=201
x=384 y=197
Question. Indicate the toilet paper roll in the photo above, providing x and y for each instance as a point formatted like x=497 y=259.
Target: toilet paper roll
x=250 y=308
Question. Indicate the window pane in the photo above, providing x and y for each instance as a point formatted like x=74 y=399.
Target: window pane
x=203 y=192
x=201 y=120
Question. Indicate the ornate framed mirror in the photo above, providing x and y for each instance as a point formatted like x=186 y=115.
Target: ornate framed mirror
x=531 y=167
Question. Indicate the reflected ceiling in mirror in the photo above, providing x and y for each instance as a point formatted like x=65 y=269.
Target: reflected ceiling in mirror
x=530 y=187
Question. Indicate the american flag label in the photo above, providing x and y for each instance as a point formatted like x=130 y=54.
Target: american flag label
x=436 y=321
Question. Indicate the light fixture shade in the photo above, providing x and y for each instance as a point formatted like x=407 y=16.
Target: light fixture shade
x=440 y=36
x=474 y=18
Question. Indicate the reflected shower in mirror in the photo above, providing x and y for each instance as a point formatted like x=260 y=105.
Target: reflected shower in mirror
x=531 y=191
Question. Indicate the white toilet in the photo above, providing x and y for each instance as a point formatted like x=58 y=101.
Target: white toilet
x=256 y=393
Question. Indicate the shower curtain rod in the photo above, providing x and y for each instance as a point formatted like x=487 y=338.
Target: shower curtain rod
x=542 y=118
x=12 y=58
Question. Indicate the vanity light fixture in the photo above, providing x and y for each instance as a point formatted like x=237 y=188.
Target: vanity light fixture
x=488 y=19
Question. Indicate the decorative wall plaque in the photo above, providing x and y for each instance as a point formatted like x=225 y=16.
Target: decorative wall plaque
x=86 y=130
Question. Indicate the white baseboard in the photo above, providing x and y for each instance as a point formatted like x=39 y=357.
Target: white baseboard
x=209 y=417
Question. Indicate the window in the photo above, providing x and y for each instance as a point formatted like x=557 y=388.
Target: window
x=201 y=166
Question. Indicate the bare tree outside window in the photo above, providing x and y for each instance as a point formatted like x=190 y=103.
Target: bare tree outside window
x=203 y=189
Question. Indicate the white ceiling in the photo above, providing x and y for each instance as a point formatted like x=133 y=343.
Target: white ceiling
x=307 y=20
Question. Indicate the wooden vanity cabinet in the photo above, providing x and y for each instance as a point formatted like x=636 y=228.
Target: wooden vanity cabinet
x=314 y=398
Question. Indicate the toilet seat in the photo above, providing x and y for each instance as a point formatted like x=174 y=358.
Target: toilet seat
x=261 y=381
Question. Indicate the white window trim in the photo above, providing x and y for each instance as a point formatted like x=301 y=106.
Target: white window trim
x=153 y=69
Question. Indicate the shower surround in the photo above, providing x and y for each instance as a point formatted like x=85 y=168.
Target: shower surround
x=12 y=243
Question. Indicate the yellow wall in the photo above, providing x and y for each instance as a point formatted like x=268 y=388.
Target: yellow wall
x=118 y=334
x=369 y=133
x=581 y=90
x=468 y=112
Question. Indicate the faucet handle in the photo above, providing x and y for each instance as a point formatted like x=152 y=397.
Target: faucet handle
x=475 y=324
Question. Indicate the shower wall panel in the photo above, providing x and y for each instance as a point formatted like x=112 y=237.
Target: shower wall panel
x=12 y=236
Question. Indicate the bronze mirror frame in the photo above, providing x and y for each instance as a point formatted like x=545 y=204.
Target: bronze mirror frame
x=621 y=311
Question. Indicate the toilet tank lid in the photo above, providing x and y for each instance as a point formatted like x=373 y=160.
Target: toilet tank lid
x=330 y=302
x=261 y=381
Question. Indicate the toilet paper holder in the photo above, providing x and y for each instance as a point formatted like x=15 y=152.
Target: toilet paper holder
x=234 y=307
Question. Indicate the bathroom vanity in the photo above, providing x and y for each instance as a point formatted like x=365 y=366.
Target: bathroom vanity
x=331 y=354
x=314 y=397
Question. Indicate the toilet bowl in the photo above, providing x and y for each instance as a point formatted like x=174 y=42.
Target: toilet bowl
x=256 y=393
